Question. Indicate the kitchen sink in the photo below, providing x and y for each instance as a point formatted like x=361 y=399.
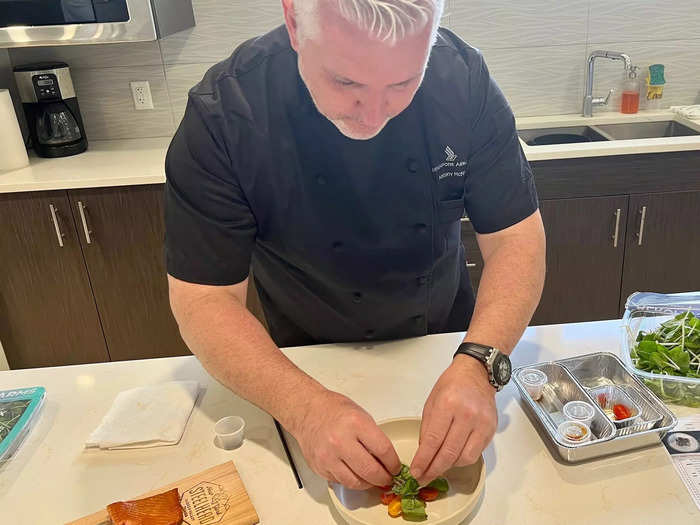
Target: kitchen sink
x=646 y=130
x=605 y=132
x=564 y=135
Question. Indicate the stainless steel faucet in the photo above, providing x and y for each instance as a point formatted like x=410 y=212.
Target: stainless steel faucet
x=588 y=99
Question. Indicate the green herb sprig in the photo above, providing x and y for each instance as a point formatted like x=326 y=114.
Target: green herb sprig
x=406 y=486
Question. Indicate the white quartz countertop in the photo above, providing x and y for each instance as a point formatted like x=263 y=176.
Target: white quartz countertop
x=105 y=163
x=52 y=479
x=141 y=161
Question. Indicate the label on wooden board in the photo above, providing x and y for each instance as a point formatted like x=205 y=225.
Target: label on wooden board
x=203 y=504
x=215 y=496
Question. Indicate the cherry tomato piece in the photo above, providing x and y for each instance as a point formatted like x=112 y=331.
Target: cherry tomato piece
x=602 y=400
x=621 y=412
x=388 y=497
x=428 y=494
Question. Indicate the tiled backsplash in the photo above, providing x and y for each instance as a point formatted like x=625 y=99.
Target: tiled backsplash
x=536 y=50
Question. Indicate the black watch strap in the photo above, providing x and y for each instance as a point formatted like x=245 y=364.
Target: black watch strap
x=497 y=365
x=475 y=350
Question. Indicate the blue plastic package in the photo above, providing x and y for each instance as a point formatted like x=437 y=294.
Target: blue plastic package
x=18 y=414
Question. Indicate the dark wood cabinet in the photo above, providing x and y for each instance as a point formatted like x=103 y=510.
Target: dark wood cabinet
x=103 y=294
x=121 y=232
x=253 y=303
x=585 y=254
x=83 y=279
x=48 y=315
x=663 y=244
x=661 y=193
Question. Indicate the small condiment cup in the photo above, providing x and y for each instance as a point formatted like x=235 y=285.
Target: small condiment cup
x=574 y=432
x=533 y=380
x=229 y=432
x=579 y=411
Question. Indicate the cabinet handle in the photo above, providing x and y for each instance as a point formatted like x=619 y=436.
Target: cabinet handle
x=617 y=228
x=640 y=235
x=57 y=226
x=470 y=265
x=83 y=218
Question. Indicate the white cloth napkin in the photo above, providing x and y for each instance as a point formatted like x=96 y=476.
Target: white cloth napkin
x=148 y=416
x=689 y=112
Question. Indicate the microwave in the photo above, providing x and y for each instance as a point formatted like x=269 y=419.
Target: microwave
x=25 y=23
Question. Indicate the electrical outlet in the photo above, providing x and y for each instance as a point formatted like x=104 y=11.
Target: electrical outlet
x=141 y=93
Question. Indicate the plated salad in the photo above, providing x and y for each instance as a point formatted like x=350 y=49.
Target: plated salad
x=407 y=498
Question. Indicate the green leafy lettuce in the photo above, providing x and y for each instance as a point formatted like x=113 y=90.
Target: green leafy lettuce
x=673 y=350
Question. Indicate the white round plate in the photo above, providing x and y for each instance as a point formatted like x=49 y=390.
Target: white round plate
x=364 y=507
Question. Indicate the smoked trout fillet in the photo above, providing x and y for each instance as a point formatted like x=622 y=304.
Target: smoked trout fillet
x=161 y=509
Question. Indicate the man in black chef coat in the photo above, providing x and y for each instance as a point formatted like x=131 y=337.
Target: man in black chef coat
x=337 y=155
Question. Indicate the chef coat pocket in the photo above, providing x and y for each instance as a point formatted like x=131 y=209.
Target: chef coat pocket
x=450 y=211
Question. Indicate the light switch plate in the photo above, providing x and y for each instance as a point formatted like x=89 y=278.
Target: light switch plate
x=141 y=93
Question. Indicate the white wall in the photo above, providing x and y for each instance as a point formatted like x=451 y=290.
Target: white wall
x=536 y=49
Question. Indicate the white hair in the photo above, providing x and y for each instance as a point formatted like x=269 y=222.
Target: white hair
x=385 y=20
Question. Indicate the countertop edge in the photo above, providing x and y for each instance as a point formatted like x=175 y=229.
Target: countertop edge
x=147 y=155
x=73 y=184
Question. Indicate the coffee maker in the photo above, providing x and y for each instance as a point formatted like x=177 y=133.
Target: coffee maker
x=51 y=108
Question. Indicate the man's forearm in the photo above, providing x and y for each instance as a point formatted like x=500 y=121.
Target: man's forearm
x=509 y=291
x=235 y=348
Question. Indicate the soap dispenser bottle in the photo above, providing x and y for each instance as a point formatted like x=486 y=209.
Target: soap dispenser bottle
x=630 y=92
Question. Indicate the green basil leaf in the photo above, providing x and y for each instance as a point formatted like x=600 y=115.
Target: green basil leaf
x=440 y=484
x=413 y=509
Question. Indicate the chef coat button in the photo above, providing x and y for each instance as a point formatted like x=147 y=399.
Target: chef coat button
x=369 y=334
x=337 y=246
x=422 y=280
x=412 y=165
x=420 y=227
x=321 y=179
x=357 y=297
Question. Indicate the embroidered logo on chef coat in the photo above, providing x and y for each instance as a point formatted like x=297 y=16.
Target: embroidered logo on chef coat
x=451 y=157
x=451 y=167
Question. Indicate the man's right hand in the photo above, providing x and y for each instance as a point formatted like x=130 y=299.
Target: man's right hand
x=342 y=443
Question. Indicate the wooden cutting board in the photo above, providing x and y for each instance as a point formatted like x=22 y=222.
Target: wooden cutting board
x=214 y=496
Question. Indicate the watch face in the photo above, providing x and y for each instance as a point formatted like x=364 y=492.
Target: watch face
x=502 y=369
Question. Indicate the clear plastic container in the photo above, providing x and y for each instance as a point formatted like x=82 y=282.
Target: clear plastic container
x=579 y=411
x=630 y=92
x=574 y=432
x=645 y=313
x=533 y=380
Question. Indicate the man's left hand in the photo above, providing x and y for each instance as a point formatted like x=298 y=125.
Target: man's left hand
x=459 y=420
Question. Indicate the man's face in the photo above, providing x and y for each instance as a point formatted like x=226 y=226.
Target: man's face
x=359 y=83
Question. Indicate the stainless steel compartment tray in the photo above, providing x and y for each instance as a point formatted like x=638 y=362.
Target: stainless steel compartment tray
x=603 y=368
x=561 y=388
x=590 y=371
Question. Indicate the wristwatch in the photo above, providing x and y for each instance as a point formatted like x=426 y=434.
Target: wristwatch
x=496 y=363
